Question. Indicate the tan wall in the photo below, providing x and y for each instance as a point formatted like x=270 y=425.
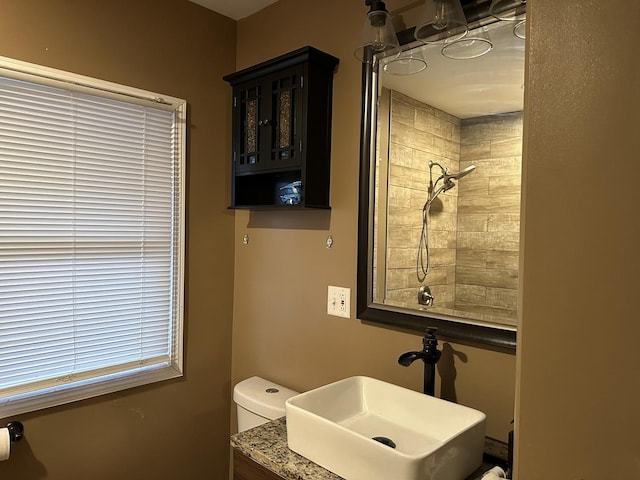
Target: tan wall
x=579 y=387
x=281 y=329
x=175 y=429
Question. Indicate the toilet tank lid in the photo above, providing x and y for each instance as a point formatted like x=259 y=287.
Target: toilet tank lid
x=262 y=397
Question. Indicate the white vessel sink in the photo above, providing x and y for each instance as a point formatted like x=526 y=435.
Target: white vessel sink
x=334 y=426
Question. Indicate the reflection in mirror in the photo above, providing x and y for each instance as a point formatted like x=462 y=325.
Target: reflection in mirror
x=445 y=201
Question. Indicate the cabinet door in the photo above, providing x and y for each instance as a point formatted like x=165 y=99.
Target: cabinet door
x=249 y=141
x=268 y=119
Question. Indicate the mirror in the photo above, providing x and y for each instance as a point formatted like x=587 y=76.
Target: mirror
x=440 y=174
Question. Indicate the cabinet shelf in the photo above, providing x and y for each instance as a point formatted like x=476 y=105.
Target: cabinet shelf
x=282 y=132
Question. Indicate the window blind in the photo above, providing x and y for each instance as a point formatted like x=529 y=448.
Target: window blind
x=91 y=215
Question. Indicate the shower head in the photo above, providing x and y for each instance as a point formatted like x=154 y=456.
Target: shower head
x=447 y=180
x=457 y=176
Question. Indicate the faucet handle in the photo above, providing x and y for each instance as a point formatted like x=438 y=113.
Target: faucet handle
x=431 y=331
x=430 y=340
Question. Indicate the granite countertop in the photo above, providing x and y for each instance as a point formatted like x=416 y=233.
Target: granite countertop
x=267 y=445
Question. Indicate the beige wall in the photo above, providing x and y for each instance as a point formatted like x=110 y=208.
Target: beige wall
x=175 y=429
x=281 y=329
x=578 y=354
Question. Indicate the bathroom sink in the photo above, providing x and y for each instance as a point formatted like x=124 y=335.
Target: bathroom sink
x=418 y=436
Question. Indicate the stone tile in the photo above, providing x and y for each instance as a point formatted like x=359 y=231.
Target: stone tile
x=427 y=121
x=472 y=185
x=503 y=298
x=449 y=149
x=490 y=314
x=493 y=127
x=399 y=196
x=442 y=222
x=444 y=294
x=401 y=257
x=509 y=222
x=475 y=151
x=444 y=203
x=401 y=155
x=496 y=204
x=503 y=260
x=403 y=297
x=472 y=258
x=492 y=241
x=418 y=198
x=440 y=275
x=405 y=236
x=407 y=177
x=487 y=278
x=398 y=278
x=443 y=256
x=506 y=148
x=471 y=294
x=494 y=167
x=504 y=185
x=473 y=222
x=402 y=112
x=408 y=136
x=404 y=217
x=441 y=239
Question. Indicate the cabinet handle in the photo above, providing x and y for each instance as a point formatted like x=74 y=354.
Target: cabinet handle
x=264 y=122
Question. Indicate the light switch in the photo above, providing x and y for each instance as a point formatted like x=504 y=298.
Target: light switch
x=339 y=301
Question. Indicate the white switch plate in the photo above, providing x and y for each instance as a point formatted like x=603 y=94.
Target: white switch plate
x=339 y=301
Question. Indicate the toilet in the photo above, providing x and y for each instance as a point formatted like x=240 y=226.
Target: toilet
x=259 y=401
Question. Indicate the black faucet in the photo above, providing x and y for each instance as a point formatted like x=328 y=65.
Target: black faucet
x=429 y=355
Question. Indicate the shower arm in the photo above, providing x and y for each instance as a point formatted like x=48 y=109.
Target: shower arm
x=433 y=192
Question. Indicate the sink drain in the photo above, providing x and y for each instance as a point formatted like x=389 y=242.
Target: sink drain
x=386 y=441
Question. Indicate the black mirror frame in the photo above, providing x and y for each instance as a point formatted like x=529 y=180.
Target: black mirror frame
x=399 y=318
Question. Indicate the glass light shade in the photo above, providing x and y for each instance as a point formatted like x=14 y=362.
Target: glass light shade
x=378 y=36
x=442 y=21
x=520 y=29
x=475 y=44
x=407 y=63
x=509 y=10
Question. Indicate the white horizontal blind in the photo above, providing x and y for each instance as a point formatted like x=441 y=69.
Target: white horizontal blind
x=91 y=234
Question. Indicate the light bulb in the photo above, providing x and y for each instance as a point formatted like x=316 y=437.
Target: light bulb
x=440 y=19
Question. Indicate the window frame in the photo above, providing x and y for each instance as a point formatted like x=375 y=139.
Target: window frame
x=75 y=390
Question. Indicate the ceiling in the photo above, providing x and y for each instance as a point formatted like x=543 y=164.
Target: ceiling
x=487 y=85
x=235 y=9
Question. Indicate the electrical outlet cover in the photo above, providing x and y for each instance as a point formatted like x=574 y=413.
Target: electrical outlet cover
x=339 y=301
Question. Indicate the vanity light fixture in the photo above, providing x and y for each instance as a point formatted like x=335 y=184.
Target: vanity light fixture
x=474 y=45
x=441 y=22
x=407 y=63
x=520 y=29
x=511 y=11
x=378 y=35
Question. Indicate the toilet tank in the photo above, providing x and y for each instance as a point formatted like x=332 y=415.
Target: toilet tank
x=259 y=401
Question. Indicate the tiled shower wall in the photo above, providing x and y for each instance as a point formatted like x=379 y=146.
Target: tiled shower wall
x=489 y=216
x=473 y=228
x=420 y=133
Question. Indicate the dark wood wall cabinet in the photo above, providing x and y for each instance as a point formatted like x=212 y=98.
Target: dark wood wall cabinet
x=282 y=132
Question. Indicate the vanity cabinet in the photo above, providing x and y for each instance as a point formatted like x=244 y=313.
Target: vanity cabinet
x=281 y=132
x=245 y=468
